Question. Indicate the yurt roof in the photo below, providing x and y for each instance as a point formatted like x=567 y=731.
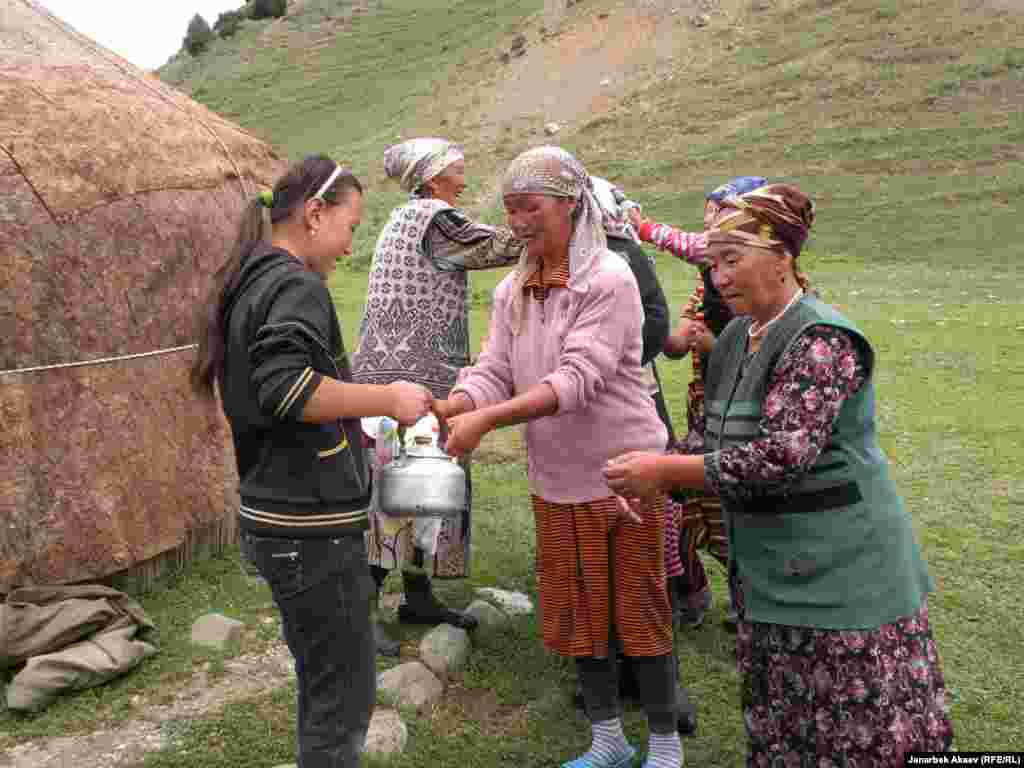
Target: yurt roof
x=84 y=126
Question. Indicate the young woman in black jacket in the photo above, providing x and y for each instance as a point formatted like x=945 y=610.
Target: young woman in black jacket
x=271 y=347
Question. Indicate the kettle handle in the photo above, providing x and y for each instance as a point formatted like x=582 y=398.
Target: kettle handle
x=442 y=434
x=442 y=439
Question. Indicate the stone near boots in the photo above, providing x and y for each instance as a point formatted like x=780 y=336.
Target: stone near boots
x=216 y=631
x=387 y=734
x=512 y=603
x=488 y=616
x=445 y=651
x=410 y=685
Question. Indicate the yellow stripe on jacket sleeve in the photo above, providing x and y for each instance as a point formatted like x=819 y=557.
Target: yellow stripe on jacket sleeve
x=300 y=384
x=336 y=449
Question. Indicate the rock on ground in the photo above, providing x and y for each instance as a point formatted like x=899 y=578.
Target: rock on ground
x=444 y=650
x=512 y=603
x=488 y=616
x=216 y=631
x=410 y=685
x=387 y=734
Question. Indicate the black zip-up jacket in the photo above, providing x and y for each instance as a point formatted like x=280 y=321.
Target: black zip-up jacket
x=297 y=480
x=656 y=323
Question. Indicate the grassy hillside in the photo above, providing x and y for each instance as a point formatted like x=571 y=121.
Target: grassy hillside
x=903 y=120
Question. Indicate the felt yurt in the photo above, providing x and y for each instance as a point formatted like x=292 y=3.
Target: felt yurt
x=119 y=198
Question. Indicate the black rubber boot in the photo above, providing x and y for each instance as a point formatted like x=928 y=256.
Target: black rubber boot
x=686 y=717
x=421 y=606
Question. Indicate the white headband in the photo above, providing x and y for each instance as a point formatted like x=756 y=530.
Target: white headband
x=327 y=184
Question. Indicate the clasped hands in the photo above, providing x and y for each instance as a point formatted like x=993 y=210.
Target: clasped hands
x=635 y=477
x=465 y=427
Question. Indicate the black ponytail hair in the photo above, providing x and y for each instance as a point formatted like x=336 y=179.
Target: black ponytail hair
x=302 y=181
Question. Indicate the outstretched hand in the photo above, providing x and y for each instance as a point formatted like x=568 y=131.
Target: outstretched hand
x=634 y=476
x=411 y=402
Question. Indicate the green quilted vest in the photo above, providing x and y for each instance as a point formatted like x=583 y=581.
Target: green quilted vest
x=837 y=550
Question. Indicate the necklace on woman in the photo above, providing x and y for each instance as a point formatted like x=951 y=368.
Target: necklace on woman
x=754 y=334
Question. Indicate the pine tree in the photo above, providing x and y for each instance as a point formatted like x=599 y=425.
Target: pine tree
x=198 y=36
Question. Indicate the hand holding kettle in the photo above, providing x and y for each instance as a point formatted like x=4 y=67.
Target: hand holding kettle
x=422 y=481
x=410 y=402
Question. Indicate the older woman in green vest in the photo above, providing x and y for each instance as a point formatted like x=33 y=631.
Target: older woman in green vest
x=836 y=656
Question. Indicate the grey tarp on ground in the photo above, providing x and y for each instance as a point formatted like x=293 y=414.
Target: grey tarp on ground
x=69 y=638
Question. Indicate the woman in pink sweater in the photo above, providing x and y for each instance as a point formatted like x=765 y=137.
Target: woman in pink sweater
x=564 y=358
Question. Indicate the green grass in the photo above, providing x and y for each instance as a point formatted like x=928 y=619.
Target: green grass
x=363 y=92
x=988 y=64
x=217 y=585
x=917 y=238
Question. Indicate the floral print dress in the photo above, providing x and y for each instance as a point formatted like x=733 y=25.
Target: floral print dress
x=818 y=698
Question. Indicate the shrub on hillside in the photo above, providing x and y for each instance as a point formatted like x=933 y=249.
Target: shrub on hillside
x=268 y=9
x=228 y=23
x=198 y=36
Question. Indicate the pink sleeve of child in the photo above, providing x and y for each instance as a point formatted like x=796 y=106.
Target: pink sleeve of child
x=691 y=247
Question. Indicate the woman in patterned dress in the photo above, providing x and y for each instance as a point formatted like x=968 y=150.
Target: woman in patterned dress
x=564 y=357
x=415 y=327
x=837 y=661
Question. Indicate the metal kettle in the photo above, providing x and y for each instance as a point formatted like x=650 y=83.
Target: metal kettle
x=427 y=483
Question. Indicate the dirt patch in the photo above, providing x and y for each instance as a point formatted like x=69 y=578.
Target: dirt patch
x=1002 y=94
x=875 y=167
x=898 y=55
x=157 y=726
x=1002 y=155
x=481 y=706
x=580 y=66
x=993 y=7
x=305 y=37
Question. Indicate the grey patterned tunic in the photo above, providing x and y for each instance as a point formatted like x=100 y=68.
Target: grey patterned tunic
x=415 y=327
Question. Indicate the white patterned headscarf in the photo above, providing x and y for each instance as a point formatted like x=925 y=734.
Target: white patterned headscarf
x=614 y=209
x=554 y=172
x=415 y=162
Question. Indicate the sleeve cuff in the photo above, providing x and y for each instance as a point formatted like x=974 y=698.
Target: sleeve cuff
x=565 y=391
x=477 y=394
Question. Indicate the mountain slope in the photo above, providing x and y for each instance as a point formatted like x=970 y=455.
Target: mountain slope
x=904 y=120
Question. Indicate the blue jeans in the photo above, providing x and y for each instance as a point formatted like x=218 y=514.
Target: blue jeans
x=322 y=588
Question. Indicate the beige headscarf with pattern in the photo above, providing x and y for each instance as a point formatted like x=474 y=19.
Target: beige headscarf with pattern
x=554 y=172
x=415 y=162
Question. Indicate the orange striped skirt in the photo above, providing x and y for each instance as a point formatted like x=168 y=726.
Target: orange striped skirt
x=598 y=582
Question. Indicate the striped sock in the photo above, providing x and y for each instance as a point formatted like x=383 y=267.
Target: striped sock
x=665 y=750
x=609 y=743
